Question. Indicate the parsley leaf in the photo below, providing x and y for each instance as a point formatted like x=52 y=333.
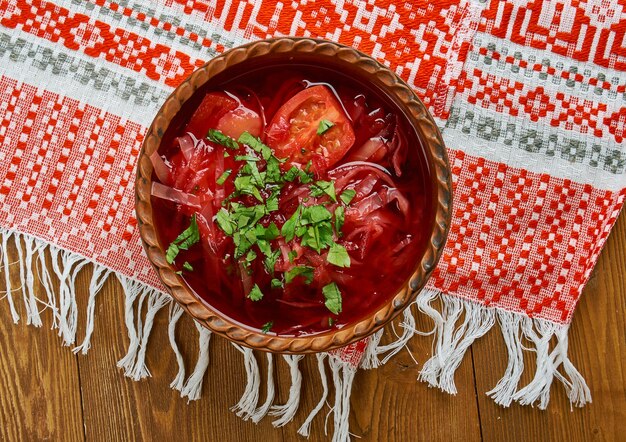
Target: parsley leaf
x=270 y=261
x=289 y=228
x=320 y=188
x=223 y=176
x=218 y=137
x=338 y=255
x=188 y=267
x=225 y=222
x=318 y=236
x=339 y=219
x=267 y=326
x=189 y=237
x=324 y=126
x=255 y=294
x=332 y=295
x=256 y=145
x=347 y=195
x=315 y=214
x=292 y=255
x=276 y=283
x=304 y=271
x=291 y=174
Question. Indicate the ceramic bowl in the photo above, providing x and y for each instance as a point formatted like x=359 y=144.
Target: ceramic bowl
x=346 y=60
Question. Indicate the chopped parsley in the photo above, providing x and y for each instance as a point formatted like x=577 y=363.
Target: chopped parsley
x=222 y=179
x=189 y=237
x=314 y=226
x=324 y=126
x=347 y=195
x=339 y=219
x=338 y=255
x=188 y=267
x=267 y=327
x=255 y=294
x=218 y=137
x=332 y=297
x=320 y=188
x=304 y=271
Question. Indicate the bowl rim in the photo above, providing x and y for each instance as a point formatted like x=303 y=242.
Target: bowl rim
x=415 y=111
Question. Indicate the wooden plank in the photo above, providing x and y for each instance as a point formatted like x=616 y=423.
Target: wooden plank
x=596 y=347
x=40 y=396
x=117 y=408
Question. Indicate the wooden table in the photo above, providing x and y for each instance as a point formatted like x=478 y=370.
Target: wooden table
x=47 y=392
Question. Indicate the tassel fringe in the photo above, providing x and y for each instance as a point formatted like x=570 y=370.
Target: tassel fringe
x=457 y=324
x=286 y=412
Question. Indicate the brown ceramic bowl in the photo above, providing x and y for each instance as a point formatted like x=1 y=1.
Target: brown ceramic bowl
x=346 y=60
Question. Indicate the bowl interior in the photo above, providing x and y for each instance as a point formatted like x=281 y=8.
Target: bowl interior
x=426 y=142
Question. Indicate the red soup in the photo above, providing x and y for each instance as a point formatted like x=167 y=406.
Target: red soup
x=293 y=199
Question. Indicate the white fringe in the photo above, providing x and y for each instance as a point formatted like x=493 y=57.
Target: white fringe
x=193 y=387
x=46 y=281
x=261 y=412
x=175 y=313
x=67 y=272
x=246 y=406
x=306 y=426
x=31 y=248
x=370 y=357
x=451 y=342
x=287 y=411
x=343 y=388
x=6 y=234
x=504 y=390
x=98 y=278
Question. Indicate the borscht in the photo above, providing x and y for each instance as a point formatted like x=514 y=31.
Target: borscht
x=292 y=199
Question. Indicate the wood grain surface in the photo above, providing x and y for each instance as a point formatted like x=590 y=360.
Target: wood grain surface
x=48 y=393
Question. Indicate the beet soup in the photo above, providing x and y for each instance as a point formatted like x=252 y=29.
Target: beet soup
x=292 y=199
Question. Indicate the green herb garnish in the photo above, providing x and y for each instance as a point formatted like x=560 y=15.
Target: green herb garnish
x=222 y=179
x=320 y=188
x=189 y=237
x=347 y=196
x=324 y=126
x=338 y=255
x=267 y=326
x=339 y=219
x=276 y=283
x=332 y=295
x=304 y=271
x=255 y=294
x=188 y=267
x=218 y=137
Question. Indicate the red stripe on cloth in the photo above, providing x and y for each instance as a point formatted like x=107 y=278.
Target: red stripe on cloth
x=67 y=176
x=567 y=112
x=97 y=39
x=522 y=241
x=414 y=38
x=575 y=29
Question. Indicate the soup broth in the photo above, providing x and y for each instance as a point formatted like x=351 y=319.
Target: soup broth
x=317 y=235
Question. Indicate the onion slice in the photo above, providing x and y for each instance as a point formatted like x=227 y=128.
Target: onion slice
x=161 y=168
x=169 y=193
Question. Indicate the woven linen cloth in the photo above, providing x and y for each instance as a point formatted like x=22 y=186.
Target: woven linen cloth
x=530 y=97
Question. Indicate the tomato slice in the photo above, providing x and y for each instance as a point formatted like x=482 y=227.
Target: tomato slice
x=226 y=113
x=292 y=132
x=213 y=107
